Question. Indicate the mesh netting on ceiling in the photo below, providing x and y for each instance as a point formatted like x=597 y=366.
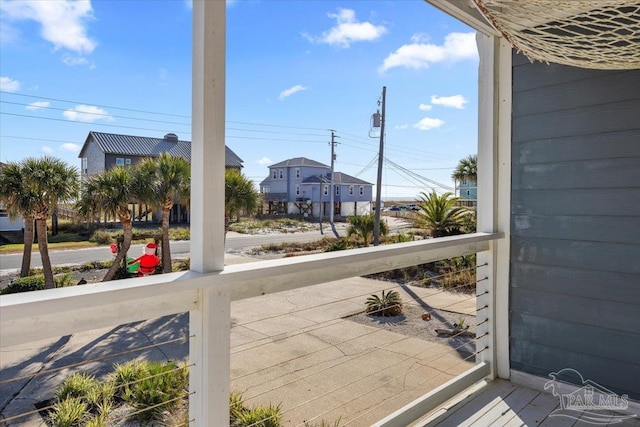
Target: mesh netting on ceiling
x=602 y=34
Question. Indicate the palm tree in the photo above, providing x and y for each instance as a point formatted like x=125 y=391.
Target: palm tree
x=240 y=196
x=111 y=192
x=440 y=215
x=467 y=169
x=161 y=182
x=50 y=181
x=363 y=226
x=17 y=198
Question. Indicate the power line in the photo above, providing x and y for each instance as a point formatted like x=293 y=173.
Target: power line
x=97 y=105
x=152 y=112
x=83 y=123
x=99 y=115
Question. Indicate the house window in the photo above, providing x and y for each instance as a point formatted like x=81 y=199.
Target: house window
x=298 y=173
x=325 y=190
x=337 y=190
x=281 y=173
x=351 y=190
x=3 y=213
x=468 y=192
x=275 y=174
x=84 y=164
x=119 y=161
x=297 y=190
x=127 y=161
x=265 y=189
x=361 y=190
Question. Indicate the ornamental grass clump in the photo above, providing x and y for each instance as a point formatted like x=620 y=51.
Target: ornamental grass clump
x=387 y=305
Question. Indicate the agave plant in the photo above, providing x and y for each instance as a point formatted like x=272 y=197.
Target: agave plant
x=387 y=305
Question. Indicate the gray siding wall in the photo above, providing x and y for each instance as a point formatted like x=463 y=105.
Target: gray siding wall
x=575 y=251
x=95 y=160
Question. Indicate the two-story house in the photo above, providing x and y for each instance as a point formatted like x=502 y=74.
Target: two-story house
x=468 y=192
x=102 y=151
x=301 y=186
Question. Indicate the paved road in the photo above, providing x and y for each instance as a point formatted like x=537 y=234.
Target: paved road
x=179 y=249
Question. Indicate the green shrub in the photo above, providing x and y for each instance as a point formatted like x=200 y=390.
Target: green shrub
x=24 y=284
x=76 y=386
x=124 y=376
x=340 y=245
x=69 y=412
x=162 y=384
x=96 y=265
x=64 y=280
x=387 y=305
x=182 y=265
x=179 y=233
x=101 y=237
x=236 y=407
x=260 y=416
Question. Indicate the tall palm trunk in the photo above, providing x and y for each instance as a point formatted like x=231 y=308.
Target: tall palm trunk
x=43 y=246
x=127 y=234
x=166 y=250
x=28 y=246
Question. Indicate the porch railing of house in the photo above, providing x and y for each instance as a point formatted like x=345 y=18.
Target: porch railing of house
x=33 y=316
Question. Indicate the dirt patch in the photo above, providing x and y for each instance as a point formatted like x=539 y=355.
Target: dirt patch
x=410 y=324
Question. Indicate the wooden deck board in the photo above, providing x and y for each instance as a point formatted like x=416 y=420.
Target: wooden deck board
x=504 y=404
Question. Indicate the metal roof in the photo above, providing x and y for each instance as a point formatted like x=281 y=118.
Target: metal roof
x=298 y=161
x=340 y=178
x=111 y=143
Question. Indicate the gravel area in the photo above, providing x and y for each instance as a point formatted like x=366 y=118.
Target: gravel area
x=410 y=323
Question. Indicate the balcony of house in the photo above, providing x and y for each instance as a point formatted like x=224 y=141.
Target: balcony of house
x=288 y=332
x=274 y=197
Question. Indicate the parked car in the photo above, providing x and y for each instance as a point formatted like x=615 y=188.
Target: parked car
x=411 y=207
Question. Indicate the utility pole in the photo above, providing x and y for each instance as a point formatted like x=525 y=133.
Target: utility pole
x=376 y=227
x=331 y=190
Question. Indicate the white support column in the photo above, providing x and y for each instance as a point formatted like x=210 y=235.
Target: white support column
x=503 y=210
x=209 y=324
x=494 y=198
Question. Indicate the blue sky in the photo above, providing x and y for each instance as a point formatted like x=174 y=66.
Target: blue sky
x=295 y=70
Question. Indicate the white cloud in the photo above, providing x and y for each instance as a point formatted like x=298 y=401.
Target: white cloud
x=9 y=85
x=46 y=150
x=63 y=22
x=38 y=105
x=420 y=38
x=87 y=114
x=402 y=127
x=291 y=91
x=428 y=123
x=455 y=101
x=69 y=146
x=73 y=61
x=425 y=107
x=418 y=55
x=265 y=161
x=348 y=30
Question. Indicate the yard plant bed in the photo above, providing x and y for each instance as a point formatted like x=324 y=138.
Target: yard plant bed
x=410 y=324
